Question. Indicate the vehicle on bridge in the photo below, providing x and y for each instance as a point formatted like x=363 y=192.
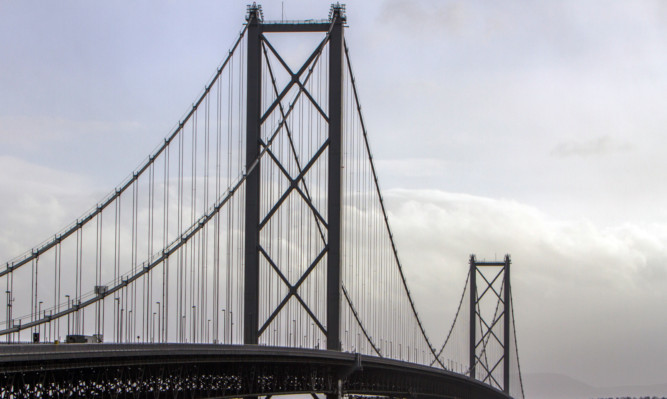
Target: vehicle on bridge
x=217 y=270
x=84 y=339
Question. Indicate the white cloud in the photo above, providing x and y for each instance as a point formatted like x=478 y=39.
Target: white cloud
x=412 y=167
x=466 y=96
x=580 y=290
x=37 y=202
x=602 y=145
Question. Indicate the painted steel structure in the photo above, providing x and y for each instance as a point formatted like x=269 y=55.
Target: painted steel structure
x=191 y=370
x=255 y=119
x=501 y=293
x=260 y=361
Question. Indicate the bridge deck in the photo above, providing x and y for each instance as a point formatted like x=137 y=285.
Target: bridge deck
x=221 y=371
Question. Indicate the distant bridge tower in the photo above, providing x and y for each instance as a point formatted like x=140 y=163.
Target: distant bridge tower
x=256 y=120
x=490 y=310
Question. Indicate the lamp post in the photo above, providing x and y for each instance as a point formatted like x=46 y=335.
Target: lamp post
x=194 y=323
x=10 y=321
x=39 y=312
x=224 y=332
x=159 y=320
x=224 y=335
x=9 y=306
x=120 y=326
x=153 y=328
x=117 y=320
x=68 y=312
x=183 y=328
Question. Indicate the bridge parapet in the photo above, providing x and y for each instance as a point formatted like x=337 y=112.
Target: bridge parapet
x=258 y=221
x=128 y=370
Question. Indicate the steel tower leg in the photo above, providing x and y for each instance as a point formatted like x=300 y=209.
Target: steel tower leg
x=473 y=313
x=506 y=327
x=253 y=136
x=334 y=195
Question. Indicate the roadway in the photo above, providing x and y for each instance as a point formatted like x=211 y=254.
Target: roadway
x=210 y=370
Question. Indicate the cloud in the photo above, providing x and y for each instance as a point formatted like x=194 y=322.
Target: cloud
x=23 y=131
x=491 y=89
x=412 y=167
x=37 y=202
x=579 y=289
x=602 y=145
x=423 y=17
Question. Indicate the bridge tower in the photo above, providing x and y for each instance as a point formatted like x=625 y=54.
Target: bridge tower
x=489 y=307
x=256 y=119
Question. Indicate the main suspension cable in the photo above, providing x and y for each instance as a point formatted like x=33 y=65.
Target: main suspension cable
x=516 y=347
x=356 y=316
x=451 y=329
x=68 y=231
x=384 y=212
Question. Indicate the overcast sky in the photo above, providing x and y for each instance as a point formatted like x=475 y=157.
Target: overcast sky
x=530 y=128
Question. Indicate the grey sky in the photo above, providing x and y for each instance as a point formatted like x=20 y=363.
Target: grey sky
x=534 y=128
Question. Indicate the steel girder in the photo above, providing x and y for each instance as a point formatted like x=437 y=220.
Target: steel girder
x=208 y=370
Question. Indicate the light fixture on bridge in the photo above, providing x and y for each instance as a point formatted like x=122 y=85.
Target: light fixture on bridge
x=338 y=9
x=255 y=9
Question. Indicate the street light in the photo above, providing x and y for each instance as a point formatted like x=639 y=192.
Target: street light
x=159 y=320
x=9 y=305
x=52 y=327
x=68 y=312
x=224 y=332
x=294 y=344
x=120 y=326
x=153 y=328
x=39 y=312
x=182 y=329
x=10 y=321
x=118 y=318
x=194 y=322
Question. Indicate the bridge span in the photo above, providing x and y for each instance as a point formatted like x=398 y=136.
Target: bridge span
x=251 y=255
x=210 y=370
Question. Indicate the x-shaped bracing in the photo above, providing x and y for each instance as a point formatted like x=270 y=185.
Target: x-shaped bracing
x=487 y=331
x=294 y=78
x=294 y=182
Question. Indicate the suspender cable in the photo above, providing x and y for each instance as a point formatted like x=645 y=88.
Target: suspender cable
x=384 y=213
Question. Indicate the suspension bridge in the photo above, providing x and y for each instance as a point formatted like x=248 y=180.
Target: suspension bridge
x=250 y=255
